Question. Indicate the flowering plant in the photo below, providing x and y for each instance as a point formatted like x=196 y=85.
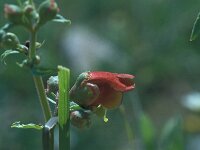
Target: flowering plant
x=92 y=93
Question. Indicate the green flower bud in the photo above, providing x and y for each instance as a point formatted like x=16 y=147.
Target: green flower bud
x=36 y=60
x=10 y=41
x=80 y=118
x=31 y=14
x=47 y=11
x=13 y=13
x=52 y=84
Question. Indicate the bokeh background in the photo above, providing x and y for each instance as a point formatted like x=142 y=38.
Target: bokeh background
x=147 y=38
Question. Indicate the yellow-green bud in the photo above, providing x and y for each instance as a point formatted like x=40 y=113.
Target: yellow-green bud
x=47 y=11
x=36 y=60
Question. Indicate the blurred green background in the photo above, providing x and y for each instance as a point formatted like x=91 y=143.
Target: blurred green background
x=147 y=38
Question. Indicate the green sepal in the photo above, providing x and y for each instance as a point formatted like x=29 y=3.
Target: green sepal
x=61 y=19
x=196 y=28
x=74 y=106
x=26 y=126
x=84 y=93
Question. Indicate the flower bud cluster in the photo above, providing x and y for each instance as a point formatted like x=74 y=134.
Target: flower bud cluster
x=30 y=17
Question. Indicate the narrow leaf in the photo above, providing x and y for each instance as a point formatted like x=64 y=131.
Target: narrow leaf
x=147 y=131
x=63 y=108
x=26 y=126
x=172 y=135
x=61 y=19
x=196 y=28
x=6 y=54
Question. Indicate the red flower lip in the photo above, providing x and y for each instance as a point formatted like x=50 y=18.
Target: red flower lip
x=119 y=82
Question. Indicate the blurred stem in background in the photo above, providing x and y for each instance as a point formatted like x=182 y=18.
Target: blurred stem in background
x=137 y=115
x=127 y=125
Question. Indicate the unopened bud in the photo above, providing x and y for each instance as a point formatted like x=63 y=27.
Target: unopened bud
x=31 y=14
x=80 y=118
x=52 y=84
x=13 y=13
x=10 y=41
x=36 y=60
x=47 y=11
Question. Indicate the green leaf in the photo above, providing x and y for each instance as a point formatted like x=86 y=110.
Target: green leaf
x=172 y=135
x=6 y=54
x=147 y=131
x=196 y=28
x=41 y=71
x=26 y=126
x=61 y=19
x=7 y=26
x=63 y=108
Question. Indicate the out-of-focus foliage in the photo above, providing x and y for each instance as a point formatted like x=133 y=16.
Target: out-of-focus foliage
x=149 y=39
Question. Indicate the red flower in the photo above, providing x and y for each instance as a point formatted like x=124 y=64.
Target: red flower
x=110 y=88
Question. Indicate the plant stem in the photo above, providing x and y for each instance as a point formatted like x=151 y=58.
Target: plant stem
x=42 y=97
x=127 y=125
x=38 y=80
x=40 y=90
x=33 y=39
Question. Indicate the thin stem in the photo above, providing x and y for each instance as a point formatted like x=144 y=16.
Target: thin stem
x=42 y=97
x=33 y=39
x=127 y=125
x=38 y=81
x=137 y=119
x=40 y=89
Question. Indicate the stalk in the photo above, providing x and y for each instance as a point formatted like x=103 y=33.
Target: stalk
x=40 y=90
x=38 y=81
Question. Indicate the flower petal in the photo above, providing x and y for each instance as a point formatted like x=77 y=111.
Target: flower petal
x=119 y=82
x=108 y=97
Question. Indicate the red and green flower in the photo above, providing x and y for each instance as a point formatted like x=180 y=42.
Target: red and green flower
x=101 y=88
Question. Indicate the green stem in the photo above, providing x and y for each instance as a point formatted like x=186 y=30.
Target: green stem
x=38 y=80
x=127 y=125
x=33 y=39
x=42 y=97
x=40 y=89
